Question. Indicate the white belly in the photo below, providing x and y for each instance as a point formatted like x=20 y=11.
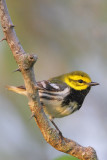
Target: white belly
x=55 y=110
x=52 y=103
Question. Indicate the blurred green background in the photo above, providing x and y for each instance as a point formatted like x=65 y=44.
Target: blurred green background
x=66 y=35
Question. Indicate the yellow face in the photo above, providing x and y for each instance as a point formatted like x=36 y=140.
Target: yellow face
x=77 y=80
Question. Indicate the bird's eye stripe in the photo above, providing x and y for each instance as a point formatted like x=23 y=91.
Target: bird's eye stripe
x=69 y=79
x=80 y=80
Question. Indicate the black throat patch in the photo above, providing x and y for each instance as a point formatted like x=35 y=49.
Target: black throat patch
x=75 y=95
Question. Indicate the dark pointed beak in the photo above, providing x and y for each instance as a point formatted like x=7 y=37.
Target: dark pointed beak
x=93 y=84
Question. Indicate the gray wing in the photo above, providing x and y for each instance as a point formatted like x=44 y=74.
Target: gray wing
x=51 y=86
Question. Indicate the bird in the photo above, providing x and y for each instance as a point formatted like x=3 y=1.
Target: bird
x=62 y=95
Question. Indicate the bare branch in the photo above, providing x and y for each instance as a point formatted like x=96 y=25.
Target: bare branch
x=25 y=63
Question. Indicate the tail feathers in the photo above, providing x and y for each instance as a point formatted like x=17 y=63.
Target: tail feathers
x=19 y=90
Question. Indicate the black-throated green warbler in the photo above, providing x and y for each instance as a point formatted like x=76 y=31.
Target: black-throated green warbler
x=62 y=95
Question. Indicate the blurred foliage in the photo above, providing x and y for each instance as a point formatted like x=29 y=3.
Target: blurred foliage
x=66 y=158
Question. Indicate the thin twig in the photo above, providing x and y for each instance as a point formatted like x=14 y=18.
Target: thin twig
x=25 y=63
x=3 y=39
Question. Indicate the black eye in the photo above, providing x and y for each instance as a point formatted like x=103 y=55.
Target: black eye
x=80 y=81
